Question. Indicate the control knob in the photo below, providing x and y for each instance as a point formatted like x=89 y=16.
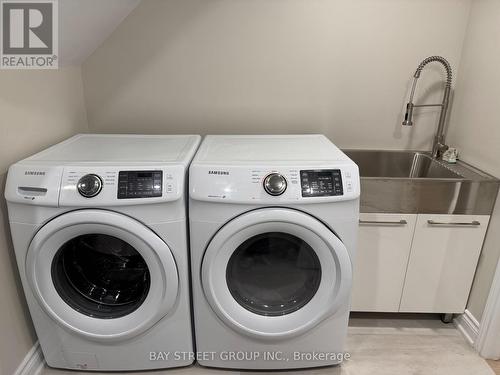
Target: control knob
x=89 y=185
x=275 y=184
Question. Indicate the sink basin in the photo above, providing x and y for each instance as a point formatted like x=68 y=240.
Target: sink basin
x=400 y=164
x=414 y=182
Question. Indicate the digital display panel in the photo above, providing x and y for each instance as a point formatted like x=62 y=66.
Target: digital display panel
x=321 y=183
x=140 y=184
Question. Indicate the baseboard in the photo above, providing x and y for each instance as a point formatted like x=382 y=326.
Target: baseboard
x=32 y=363
x=468 y=326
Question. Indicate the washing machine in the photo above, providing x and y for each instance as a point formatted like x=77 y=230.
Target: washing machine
x=273 y=223
x=99 y=226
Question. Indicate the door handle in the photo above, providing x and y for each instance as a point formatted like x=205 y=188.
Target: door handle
x=383 y=222
x=473 y=223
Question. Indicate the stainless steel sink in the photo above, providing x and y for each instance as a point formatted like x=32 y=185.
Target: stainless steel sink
x=414 y=182
x=409 y=164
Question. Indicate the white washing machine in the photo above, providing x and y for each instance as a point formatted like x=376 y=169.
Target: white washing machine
x=273 y=223
x=99 y=226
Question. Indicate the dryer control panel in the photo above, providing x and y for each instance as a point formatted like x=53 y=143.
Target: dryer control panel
x=305 y=183
x=321 y=183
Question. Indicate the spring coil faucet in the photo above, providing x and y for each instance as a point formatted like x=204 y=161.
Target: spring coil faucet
x=438 y=146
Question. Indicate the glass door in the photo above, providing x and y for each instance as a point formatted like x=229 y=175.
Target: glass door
x=101 y=274
x=275 y=273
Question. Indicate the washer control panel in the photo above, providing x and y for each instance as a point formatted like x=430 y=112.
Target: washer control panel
x=140 y=184
x=120 y=185
x=321 y=183
x=94 y=185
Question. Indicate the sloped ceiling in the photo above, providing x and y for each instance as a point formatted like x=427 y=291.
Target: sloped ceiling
x=85 y=24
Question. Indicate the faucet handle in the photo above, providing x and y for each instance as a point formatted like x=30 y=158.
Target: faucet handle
x=439 y=148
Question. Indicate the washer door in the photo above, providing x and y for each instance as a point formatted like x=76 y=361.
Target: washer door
x=102 y=274
x=275 y=273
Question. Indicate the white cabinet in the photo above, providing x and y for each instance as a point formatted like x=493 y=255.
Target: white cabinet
x=416 y=263
x=383 y=249
x=442 y=263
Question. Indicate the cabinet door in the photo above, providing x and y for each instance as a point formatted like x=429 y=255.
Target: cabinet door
x=382 y=256
x=442 y=262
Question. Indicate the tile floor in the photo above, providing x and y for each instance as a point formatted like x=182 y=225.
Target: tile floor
x=382 y=345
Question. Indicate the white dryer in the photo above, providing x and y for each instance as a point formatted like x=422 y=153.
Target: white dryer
x=99 y=226
x=273 y=223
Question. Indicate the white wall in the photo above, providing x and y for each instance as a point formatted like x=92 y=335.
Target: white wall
x=38 y=109
x=475 y=125
x=339 y=67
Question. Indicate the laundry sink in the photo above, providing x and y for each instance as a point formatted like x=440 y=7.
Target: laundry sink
x=400 y=164
x=414 y=182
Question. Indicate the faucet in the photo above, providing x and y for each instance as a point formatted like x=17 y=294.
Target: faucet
x=438 y=146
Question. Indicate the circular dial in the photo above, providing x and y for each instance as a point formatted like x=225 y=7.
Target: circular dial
x=89 y=185
x=275 y=184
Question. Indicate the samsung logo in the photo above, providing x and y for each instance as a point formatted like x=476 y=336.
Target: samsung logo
x=34 y=173
x=220 y=173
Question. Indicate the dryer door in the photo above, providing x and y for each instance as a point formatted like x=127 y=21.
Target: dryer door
x=101 y=274
x=275 y=273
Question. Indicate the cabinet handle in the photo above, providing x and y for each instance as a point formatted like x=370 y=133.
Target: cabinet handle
x=375 y=222
x=473 y=223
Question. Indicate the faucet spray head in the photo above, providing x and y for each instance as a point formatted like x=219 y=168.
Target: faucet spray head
x=408 y=115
